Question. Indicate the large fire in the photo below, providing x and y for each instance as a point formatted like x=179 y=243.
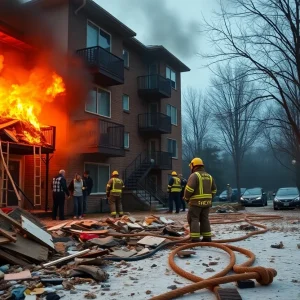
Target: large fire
x=23 y=95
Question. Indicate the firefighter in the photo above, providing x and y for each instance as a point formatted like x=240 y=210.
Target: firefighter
x=114 y=189
x=229 y=192
x=199 y=192
x=174 y=190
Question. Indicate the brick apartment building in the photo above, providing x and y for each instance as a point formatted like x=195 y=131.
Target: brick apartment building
x=131 y=119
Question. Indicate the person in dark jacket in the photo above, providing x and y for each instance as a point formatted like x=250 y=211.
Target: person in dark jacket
x=88 y=182
x=183 y=185
x=59 y=189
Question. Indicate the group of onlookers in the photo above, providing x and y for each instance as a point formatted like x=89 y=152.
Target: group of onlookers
x=80 y=188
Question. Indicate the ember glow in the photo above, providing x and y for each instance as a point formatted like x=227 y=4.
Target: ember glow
x=23 y=99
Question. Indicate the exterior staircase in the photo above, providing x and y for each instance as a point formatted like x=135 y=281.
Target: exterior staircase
x=137 y=180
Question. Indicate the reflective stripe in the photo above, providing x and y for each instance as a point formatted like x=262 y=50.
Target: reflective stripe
x=176 y=186
x=194 y=234
x=202 y=203
x=113 y=190
x=189 y=189
x=204 y=196
x=113 y=213
x=206 y=233
x=121 y=213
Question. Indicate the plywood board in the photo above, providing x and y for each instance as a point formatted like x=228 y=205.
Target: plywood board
x=18 y=276
x=40 y=234
x=151 y=241
x=12 y=259
x=27 y=249
x=18 y=212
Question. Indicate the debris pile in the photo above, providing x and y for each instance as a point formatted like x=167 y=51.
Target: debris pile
x=37 y=262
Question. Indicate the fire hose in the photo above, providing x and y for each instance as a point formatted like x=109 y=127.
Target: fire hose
x=262 y=275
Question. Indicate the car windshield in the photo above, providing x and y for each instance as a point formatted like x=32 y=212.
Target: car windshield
x=224 y=193
x=287 y=192
x=252 y=192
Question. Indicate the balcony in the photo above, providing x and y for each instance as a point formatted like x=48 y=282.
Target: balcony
x=161 y=160
x=100 y=136
x=154 y=86
x=107 y=68
x=154 y=123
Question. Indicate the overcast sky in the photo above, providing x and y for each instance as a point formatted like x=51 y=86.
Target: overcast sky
x=174 y=24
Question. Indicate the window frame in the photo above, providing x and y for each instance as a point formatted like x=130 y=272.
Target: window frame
x=94 y=113
x=126 y=66
x=99 y=29
x=128 y=140
x=98 y=164
x=174 y=107
x=171 y=70
x=173 y=157
x=124 y=109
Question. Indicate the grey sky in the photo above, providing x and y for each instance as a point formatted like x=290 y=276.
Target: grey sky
x=152 y=20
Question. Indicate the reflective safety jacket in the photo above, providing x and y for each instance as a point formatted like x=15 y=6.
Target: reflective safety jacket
x=115 y=186
x=174 y=185
x=200 y=189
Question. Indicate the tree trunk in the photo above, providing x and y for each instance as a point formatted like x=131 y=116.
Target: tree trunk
x=237 y=177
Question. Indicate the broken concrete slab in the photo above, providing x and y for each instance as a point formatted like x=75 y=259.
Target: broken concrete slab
x=151 y=241
x=24 y=275
x=104 y=242
x=142 y=252
x=122 y=253
x=96 y=272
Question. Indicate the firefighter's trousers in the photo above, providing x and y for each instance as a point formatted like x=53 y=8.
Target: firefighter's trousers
x=115 y=205
x=198 y=219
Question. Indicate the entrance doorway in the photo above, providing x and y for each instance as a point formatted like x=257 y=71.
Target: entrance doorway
x=14 y=169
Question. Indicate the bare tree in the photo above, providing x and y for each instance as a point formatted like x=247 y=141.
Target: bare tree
x=196 y=118
x=264 y=36
x=234 y=120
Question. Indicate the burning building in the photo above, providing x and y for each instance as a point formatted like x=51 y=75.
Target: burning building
x=112 y=103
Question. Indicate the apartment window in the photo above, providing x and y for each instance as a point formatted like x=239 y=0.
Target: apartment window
x=125 y=102
x=126 y=58
x=97 y=37
x=170 y=74
x=126 y=140
x=98 y=102
x=172 y=112
x=100 y=174
x=172 y=148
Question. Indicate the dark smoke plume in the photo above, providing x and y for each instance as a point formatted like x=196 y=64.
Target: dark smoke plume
x=164 y=26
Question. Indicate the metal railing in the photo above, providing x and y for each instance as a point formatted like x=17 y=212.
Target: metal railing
x=102 y=133
x=155 y=83
x=161 y=160
x=154 y=122
x=49 y=133
x=100 y=57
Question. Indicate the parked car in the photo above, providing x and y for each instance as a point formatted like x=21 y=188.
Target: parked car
x=286 y=198
x=254 y=196
x=223 y=195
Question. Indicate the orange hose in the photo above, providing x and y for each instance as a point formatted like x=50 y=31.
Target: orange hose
x=262 y=275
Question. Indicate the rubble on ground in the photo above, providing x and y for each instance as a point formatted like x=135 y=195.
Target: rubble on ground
x=38 y=262
x=227 y=208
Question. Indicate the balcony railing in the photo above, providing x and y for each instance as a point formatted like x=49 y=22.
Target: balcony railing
x=100 y=136
x=108 y=68
x=49 y=133
x=161 y=160
x=154 y=85
x=154 y=123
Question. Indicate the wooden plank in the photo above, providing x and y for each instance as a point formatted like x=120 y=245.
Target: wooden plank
x=18 y=276
x=27 y=249
x=151 y=241
x=4 y=240
x=89 y=231
x=41 y=235
x=228 y=294
x=9 y=235
x=57 y=227
x=12 y=259
x=55 y=262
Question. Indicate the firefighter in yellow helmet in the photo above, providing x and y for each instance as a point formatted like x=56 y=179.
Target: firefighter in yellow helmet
x=114 y=190
x=199 y=192
x=174 y=190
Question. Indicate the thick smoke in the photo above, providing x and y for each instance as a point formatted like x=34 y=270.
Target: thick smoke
x=164 y=25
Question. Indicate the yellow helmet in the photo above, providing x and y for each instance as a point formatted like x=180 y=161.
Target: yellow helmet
x=115 y=173
x=174 y=173
x=196 y=162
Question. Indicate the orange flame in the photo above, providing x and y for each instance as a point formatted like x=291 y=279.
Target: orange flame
x=24 y=100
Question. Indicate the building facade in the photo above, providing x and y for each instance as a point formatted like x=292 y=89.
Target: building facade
x=130 y=118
